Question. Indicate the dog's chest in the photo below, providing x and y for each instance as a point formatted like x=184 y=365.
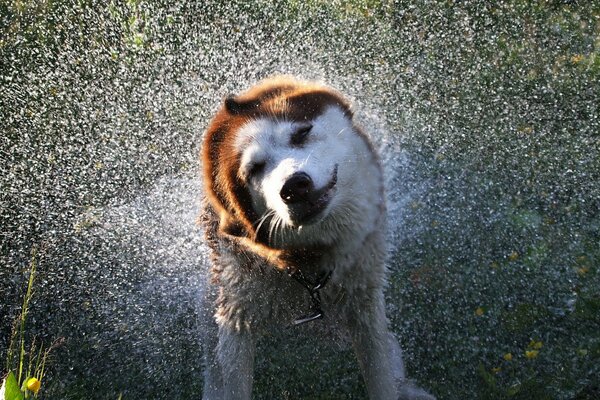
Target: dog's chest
x=258 y=297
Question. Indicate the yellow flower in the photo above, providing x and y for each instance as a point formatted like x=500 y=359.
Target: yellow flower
x=582 y=271
x=33 y=384
x=577 y=58
x=535 y=345
x=513 y=256
x=508 y=356
x=479 y=312
x=525 y=129
x=531 y=354
x=496 y=370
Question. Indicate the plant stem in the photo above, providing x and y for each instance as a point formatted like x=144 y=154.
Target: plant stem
x=24 y=311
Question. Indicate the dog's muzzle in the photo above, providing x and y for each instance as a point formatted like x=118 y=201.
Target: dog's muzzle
x=304 y=201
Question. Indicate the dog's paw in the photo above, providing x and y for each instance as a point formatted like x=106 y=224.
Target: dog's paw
x=410 y=392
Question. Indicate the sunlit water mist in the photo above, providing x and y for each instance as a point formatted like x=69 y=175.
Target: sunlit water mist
x=152 y=270
x=486 y=117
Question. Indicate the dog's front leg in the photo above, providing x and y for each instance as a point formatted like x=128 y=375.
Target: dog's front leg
x=379 y=355
x=236 y=356
x=374 y=350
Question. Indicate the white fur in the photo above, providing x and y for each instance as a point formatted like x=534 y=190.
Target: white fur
x=255 y=299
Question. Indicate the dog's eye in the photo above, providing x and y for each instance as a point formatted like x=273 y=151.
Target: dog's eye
x=300 y=136
x=256 y=169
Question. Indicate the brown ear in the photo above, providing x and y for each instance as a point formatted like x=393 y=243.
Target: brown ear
x=237 y=106
x=237 y=231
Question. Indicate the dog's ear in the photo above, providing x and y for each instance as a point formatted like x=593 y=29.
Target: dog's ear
x=236 y=106
x=231 y=105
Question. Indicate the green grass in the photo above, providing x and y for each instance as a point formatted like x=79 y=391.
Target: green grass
x=26 y=359
x=495 y=104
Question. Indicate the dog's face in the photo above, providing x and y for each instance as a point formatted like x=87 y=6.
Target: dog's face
x=281 y=160
x=292 y=168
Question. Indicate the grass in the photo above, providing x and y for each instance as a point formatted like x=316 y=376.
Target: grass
x=496 y=104
x=25 y=361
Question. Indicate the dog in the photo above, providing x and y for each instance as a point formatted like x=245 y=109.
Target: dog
x=294 y=214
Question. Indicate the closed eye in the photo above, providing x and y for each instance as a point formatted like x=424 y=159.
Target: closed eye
x=256 y=169
x=300 y=136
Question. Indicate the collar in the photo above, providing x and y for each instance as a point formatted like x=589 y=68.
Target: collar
x=313 y=289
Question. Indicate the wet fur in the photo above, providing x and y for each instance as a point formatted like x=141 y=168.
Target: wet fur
x=254 y=243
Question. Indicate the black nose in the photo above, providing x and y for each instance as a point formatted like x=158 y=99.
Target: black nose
x=297 y=188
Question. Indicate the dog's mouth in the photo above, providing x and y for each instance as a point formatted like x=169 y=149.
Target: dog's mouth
x=311 y=209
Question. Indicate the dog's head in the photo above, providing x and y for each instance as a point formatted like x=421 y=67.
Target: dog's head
x=281 y=160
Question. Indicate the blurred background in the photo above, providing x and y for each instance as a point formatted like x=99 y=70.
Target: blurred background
x=487 y=118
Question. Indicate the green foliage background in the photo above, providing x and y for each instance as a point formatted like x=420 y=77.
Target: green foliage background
x=495 y=104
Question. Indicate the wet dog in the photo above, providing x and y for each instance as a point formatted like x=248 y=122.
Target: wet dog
x=294 y=214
